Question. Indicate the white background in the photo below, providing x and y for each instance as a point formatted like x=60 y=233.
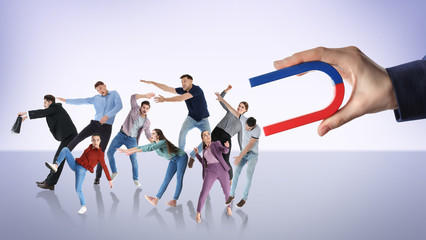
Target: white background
x=63 y=48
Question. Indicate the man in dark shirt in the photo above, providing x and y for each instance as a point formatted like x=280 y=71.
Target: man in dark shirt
x=196 y=104
x=62 y=129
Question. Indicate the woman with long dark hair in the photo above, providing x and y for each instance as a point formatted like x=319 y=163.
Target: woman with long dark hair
x=214 y=168
x=177 y=164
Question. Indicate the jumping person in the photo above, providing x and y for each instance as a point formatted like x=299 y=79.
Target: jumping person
x=214 y=168
x=91 y=156
x=177 y=164
x=195 y=102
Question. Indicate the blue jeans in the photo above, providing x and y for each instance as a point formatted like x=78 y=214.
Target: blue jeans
x=189 y=124
x=177 y=165
x=250 y=159
x=80 y=172
x=119 y=140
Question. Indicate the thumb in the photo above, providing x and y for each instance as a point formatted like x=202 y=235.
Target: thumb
x=341 y=117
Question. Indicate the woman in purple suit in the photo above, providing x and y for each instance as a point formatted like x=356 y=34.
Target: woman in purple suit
x=214 y=168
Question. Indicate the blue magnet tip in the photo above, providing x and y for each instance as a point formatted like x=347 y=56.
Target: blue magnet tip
x=297 y=69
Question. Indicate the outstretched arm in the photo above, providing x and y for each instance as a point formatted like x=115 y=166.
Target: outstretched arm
x=179 y=98
x=134 y=97
x=222 y=94
x=130 y=151
x=231 y=109
x=161 y=86
x=146 y=95
x=77 y=101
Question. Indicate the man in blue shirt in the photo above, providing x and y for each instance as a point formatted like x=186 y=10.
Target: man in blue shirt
x=196 y=104
x=107 y=104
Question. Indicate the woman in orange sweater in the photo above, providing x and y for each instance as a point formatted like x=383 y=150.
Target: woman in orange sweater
x=88 y=160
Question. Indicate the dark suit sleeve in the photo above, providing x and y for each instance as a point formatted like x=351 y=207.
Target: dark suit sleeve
x=409 y=82
x=41 y=113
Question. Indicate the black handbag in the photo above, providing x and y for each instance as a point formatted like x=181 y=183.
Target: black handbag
x=17 y=126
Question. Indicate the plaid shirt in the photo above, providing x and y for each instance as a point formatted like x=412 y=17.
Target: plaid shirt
x=132 y=117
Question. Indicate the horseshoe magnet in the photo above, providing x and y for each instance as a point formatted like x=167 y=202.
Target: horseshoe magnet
x=339 y=92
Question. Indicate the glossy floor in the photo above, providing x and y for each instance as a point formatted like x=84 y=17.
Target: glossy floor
x=294 y=195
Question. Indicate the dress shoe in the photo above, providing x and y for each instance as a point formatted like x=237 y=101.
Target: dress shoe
x=40 y=182
x=45 y=186
x=96 y=182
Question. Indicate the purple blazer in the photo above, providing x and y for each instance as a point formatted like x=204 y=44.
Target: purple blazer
x=217 y=149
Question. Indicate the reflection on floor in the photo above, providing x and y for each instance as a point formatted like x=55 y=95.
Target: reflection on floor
x=294 y=195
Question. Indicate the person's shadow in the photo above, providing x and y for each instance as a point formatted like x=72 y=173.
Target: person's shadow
x=244 y=218
x=228 y=222
x=99 y=202
x=207 y=221
x=155 y=214
x=136 y=203
x=56 y=208
x=178 y=216
x=114 y=206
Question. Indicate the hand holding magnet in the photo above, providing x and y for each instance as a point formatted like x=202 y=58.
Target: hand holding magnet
x=311 y=117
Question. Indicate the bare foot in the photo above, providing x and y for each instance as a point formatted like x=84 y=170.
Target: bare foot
x=198 y=217
x=229 y=211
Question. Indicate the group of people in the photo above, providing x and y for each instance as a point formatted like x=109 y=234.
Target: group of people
x=215 y=148
x=401 y=88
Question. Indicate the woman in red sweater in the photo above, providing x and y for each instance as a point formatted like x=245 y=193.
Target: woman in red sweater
x=90 y=158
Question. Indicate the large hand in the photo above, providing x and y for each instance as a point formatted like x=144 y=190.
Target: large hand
x=159 y=99
x=121 y=150
x=104 y=119
x=218 y=97
x=196 y=150
x=372 y=89
x=146 y=81
x=237 y=160
x=150 y=95
x=110 y=184
x=22 y=114
x=228 y=88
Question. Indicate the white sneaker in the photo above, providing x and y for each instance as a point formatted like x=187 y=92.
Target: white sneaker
x=82 y=210
x=113 y=176
x=51 y=166
x=137 y=183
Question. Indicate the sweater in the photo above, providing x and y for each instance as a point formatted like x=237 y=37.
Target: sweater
x=91 y=157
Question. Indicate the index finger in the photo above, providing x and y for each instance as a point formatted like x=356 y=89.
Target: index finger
x=332 y=56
